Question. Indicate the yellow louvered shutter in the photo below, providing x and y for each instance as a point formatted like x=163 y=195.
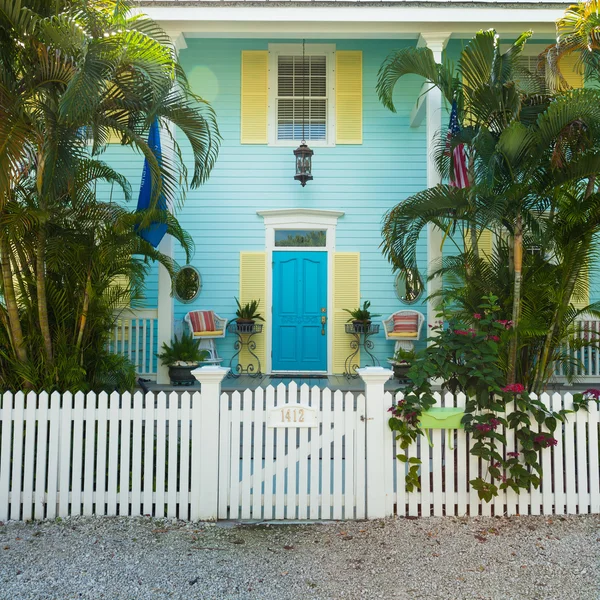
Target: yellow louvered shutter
x=485 y=242
x=346 y=294
x=571 y=71
x=348 y=97
x=255 y=100
x=253 y=286
x=583 y=299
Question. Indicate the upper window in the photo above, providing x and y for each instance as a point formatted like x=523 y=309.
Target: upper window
x=301 y=94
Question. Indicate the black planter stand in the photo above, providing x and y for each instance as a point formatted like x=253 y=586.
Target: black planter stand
x=244 y=332
x=361 y=334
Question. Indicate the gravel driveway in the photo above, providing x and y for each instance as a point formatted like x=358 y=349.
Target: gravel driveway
x=522 y=558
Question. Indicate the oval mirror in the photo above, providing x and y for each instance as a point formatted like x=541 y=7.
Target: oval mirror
x=187 y=284
x=409 y=286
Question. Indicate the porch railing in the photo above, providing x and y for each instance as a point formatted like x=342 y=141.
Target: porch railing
x=135 y=335
x=585 y=359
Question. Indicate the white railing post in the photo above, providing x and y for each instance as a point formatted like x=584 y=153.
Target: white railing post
x=376 y=436
x=205 y=443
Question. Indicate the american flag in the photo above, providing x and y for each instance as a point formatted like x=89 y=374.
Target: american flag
x=458 y=175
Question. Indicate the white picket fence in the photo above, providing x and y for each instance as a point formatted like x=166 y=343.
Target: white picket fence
x=289 y=453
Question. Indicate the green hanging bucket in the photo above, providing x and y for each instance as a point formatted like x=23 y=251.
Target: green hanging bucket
x=441 y=418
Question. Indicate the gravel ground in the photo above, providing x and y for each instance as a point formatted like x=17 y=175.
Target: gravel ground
x=453 y=558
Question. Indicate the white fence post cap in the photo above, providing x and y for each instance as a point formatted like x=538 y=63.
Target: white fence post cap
x=210 y=374
x=375 y=374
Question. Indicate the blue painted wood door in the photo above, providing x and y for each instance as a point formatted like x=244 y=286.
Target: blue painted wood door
x=299 y=302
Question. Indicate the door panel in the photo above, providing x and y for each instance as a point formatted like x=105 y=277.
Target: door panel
x=299 y=295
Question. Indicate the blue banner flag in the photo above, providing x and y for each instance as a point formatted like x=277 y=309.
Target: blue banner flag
x=155 y=232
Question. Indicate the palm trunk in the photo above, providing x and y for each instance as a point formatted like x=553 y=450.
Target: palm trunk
x=474 y=240
x=84 y=311
x=12 y=309
x=516 y=312
x=473 y=228
x=42 y=301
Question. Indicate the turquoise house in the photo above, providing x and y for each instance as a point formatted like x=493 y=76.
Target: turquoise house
x=309 y=252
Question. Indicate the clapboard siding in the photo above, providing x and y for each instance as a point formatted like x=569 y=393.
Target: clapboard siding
x=363 y=180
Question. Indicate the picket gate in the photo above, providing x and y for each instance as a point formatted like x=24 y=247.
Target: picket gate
x=285 y=453
x=292 y=472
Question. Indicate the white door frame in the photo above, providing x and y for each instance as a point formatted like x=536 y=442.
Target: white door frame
x=298 y=218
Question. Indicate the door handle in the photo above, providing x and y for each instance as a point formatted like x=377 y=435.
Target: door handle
x=323 y=321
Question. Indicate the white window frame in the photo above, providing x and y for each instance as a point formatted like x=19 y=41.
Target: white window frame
x=327 y=50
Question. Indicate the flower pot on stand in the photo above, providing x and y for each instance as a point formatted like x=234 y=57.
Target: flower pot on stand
x=181 y=374
x=400 y=370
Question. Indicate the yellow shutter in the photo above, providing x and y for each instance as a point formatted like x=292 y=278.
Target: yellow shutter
x=348 y=97
x=582 y=300
x=485 y=243
x=122 y=282
x=253 y=286
x=346 y=294
x=255 y=90
x=572 y=72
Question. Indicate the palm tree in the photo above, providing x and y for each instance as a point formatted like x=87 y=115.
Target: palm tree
x=578 y=44
x=73 y=72
x=488 y=101
x=522 y=153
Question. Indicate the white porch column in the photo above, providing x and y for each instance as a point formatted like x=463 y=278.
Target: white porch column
x=165 y=305
x=436 y=42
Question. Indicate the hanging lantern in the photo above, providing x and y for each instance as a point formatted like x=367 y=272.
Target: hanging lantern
x=303 y=153
x=303 y=156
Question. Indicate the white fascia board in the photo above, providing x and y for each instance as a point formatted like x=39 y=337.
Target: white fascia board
x=195 y=15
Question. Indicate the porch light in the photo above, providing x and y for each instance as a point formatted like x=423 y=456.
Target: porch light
x=303 y=153
x=303 y=156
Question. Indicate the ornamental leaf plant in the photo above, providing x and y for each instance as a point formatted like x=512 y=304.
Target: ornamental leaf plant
x=472 y=360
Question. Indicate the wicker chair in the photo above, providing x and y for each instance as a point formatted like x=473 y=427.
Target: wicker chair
x=404 y=327
x=207 y=326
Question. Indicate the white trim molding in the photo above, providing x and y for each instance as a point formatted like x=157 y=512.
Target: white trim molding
x=299 y=218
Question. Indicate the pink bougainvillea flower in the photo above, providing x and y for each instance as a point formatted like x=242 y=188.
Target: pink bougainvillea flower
x=516 y=388
x=512 y=454
x=494 y=422
x=477 y=316
x=545 y=440
x=494 y=338
x=461 y=332
x=507 y=324
x=592 y=393
x=484 y=427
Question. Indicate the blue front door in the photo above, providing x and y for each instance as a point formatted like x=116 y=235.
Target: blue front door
x=299 y=306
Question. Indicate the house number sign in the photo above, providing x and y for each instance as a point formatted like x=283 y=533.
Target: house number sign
x=292 y=415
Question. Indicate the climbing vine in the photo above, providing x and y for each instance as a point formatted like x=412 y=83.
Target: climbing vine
x=470 y=360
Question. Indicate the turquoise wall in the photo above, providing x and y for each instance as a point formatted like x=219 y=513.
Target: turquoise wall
x=364 y=180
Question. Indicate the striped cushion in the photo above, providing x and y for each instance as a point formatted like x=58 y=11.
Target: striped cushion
x=406 y=324
x=202 y=320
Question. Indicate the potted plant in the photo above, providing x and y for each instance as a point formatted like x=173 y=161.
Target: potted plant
x=401 y=363
x=361 y=317
x=247 y=314
x=182 y=356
